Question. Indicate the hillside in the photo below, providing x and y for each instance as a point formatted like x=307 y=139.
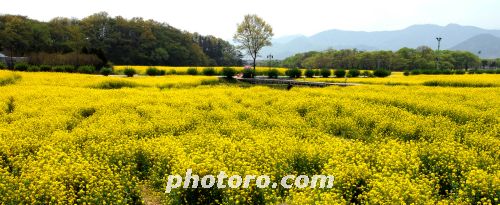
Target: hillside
x=485 y=45
x=411 y=37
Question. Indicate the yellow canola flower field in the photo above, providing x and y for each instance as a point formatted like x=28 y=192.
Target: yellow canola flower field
x=84 y=139
x=397 y=78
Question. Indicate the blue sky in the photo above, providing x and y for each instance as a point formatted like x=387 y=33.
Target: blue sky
x=219 y=17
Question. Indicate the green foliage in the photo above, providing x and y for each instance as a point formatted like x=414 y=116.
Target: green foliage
x=253 y=34
x=339 y=73
x=422 y=58
x=209 y=71
x=248 y=73
x=72 y=58
x=457 y=84
x=153 y=71
x=406 y=73
x=228 y=72
x=3 y=65
x=33 y=68
x=416 y=72
x=192 y=71
x=309 y=73
x=293 y=73
x=58 y=68
x=459 y=72
x=106 y=71
x=325 y=72
x=381 y=73
x=171 y=72
x=82 y=42
x=367 y=73
x=354 y=73
x=9 y=79
x=273 y=73
x=45 y=68
x=86 y=112
x=129 y=72
x=69 y=68
x=21 y=66
x=86 y=69
x=115 y=84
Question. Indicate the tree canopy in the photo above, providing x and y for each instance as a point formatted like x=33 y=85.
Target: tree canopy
x=116 y=39
x=422 y=57
x=252 y=35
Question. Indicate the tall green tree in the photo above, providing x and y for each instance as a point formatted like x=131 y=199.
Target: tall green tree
x=15 y=35
x=253 y=34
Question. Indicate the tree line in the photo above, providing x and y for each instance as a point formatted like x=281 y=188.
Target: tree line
x=113 y=39
x=421 y=58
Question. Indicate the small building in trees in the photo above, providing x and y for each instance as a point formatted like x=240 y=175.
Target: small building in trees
x=11 y=60
x=3 y=58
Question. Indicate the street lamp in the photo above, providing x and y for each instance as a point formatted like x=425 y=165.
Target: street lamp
x=439 y=45
x=270 y=58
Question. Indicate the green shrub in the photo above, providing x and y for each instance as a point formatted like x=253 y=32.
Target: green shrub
x=273 y=73
x=106 y=71
x=33 y=68
x=406 y=73
x=489 y=71
x=459 y=72
x=382 y=73
x=171 y=72
x=192 y=71
x=317 y=72
x=354 y=73
x=209 y=71
x=45 y=68
x=325 y=72
x=86 y=112
x=446 y=72
x=340 y=73
x=248 y=73
x=21 y=66
x=69 y=68
x=228 y=72
x=9 y=79
x=115 y=84
x=87 y=69
x=58 y=68
x=497 y=71
x=3 y=65
x=457 y=84
x=294 y=73
x=152 y=71
x=416 y=72
x=309 y=73
x=129 y=72
x=368 y=74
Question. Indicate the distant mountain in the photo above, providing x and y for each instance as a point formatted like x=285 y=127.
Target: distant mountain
x=411 y=37
x=487 y=45
x=286 y=39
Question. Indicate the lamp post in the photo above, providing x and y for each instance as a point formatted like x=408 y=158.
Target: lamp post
x=270 y=58
x=439 y=45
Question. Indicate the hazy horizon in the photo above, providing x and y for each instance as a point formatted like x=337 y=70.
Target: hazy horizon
x=219 y=17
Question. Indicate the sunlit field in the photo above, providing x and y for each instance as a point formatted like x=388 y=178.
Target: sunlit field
x=75 y=138
x=397 y=78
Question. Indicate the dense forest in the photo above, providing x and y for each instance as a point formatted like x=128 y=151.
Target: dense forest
x=113 y=39
x=422 y=57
